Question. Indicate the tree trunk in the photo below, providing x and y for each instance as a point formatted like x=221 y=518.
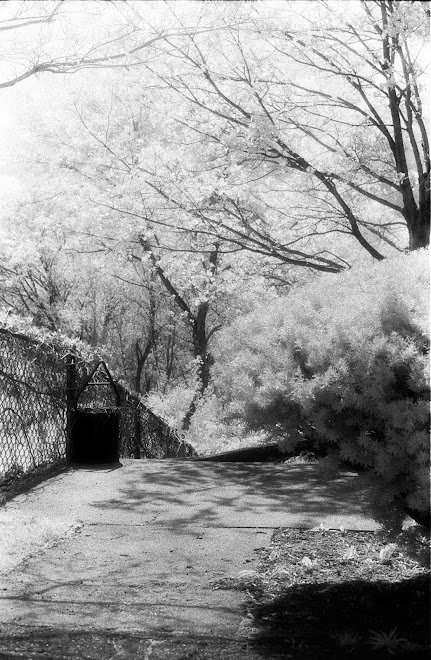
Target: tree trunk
x=200 y=345
x=419 y=225
x=200 y=352
x=141 y=358
x=419 y=233
x=204 y=377
x=197 y=323
x=416 y=212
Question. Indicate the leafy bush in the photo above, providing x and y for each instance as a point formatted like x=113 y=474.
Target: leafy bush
x=22 y=325
x=171 y=405
x=209 y=431
x=343 y=363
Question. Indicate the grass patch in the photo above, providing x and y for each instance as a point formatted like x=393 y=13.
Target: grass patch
x=338 y=594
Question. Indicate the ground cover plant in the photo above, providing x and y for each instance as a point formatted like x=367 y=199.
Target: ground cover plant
x=338 y=594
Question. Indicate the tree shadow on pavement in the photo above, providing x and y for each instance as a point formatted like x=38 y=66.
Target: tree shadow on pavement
x=185 y=493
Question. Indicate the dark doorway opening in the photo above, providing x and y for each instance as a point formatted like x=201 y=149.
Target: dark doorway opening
x=95 y=437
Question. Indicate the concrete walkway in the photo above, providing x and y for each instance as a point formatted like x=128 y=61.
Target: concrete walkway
x=140 y=544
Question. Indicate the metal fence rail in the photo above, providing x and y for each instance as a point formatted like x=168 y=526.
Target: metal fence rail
x=37 y=396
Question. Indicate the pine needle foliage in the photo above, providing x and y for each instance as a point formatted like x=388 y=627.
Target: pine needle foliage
x=343 y=364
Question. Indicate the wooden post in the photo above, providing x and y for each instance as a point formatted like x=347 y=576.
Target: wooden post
x=71 y=402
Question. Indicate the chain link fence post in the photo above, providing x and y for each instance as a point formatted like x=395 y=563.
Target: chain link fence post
x=71 y=401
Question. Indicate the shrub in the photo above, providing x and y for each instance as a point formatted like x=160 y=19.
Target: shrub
x=171 y=405
x=210 y=432
x=343 y=363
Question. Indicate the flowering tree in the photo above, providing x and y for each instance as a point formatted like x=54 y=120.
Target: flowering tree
x=330 y=103
x=284 y=166
x=53 y=36
x=51 y=274
x=125 y=153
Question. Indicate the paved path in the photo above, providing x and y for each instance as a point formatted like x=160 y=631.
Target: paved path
x=138 y=546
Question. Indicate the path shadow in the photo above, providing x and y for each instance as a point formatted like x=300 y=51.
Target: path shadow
x=338 y=620
x=96 y=467
x=185 y=493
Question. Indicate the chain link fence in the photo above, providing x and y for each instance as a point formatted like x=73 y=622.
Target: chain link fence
x=35 y=407
x=32 y=406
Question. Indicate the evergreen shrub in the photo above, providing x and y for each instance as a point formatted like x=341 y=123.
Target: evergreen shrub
x=341 y=366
